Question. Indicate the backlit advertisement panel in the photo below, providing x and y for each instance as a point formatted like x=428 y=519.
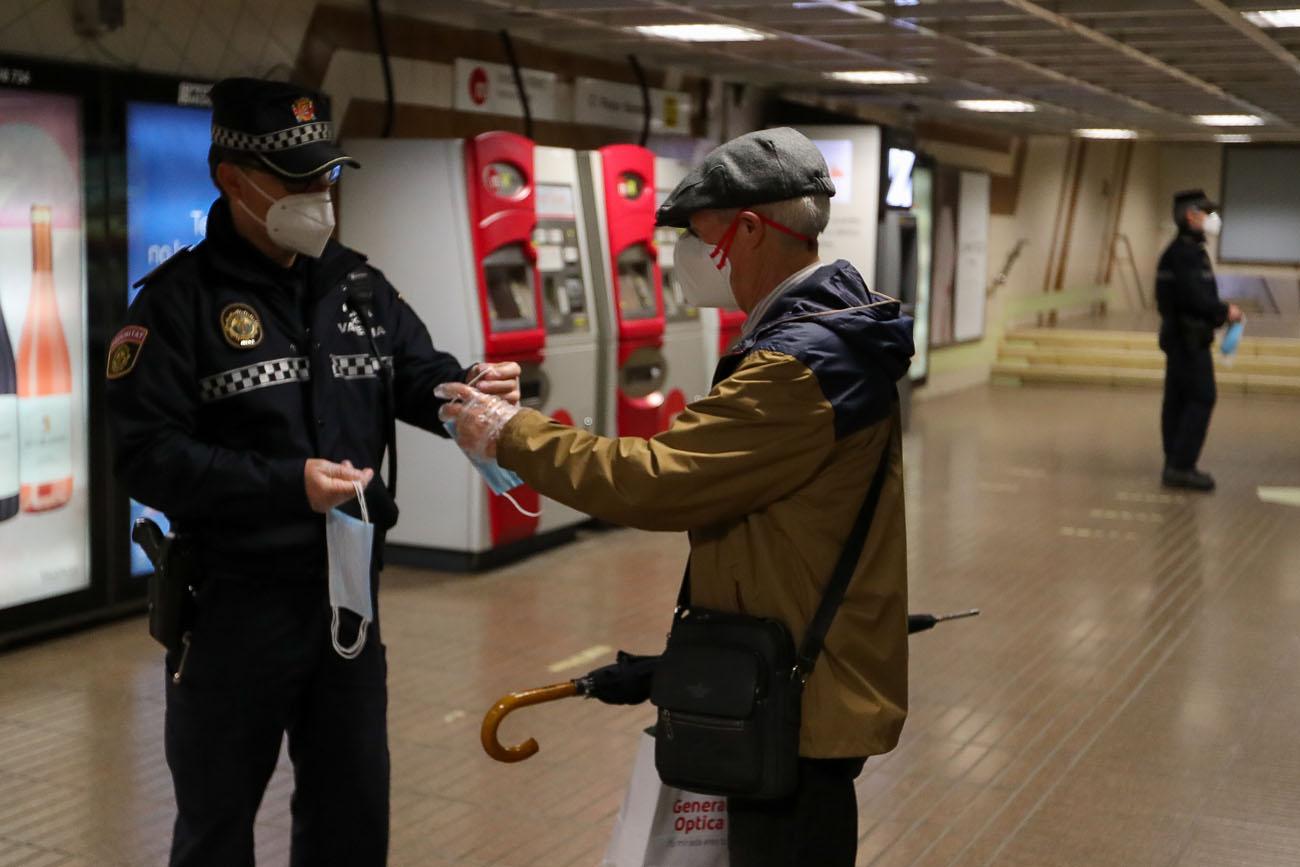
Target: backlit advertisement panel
x=44 y=513
x=168 y=196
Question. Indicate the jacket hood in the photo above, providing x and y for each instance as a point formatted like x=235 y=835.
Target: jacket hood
x=836 y=297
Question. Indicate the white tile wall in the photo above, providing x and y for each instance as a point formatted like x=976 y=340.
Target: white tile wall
x=198 y=38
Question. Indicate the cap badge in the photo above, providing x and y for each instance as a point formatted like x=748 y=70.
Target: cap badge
x=304 y=110
x=241 y=327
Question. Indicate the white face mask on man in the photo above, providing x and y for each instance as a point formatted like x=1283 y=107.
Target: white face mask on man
x=301 y=222
x=1213 y=224
x=704 y=273
x=703 y=282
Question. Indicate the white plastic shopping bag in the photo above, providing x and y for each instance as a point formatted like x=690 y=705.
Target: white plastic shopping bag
x=659 y=826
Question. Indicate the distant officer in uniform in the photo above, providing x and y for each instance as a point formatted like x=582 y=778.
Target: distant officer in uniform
x=1188 y=299
x=246 y=401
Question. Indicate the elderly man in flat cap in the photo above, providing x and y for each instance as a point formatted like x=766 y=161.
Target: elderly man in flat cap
x=768 y=472
x=252 y=393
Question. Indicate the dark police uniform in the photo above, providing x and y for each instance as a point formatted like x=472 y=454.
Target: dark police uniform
x=231 y=372
x=1188 y=299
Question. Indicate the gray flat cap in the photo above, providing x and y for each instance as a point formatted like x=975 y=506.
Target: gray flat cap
x=770 y=165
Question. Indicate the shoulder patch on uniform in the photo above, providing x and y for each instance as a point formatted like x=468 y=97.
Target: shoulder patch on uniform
x=166 y=264
x=241 y=326
x=125 y=350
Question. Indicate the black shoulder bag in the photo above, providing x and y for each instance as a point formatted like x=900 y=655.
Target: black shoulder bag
x=729 y=687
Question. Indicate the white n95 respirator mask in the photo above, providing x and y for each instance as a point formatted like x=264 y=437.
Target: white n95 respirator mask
x=705 y=278
x=301 y=222
x=1213 y=224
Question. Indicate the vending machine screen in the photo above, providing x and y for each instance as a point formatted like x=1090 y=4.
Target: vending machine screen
x=636 y=284
x=169 y=192
x=511 y=301
x=44 y=503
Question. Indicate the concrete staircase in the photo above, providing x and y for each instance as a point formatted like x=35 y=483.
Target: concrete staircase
x=1062 y=356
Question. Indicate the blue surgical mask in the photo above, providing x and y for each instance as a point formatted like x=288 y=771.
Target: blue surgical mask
x=349 y=544
x=1228 y=345
x=500 y=480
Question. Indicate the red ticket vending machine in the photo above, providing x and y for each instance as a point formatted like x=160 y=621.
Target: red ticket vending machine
x=619 y=203
x=451 y=225
x=688 y=371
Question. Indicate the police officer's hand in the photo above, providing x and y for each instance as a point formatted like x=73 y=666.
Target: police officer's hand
x=479 y=417
x=330 y=484
x=500 y=380
x=1234 y=313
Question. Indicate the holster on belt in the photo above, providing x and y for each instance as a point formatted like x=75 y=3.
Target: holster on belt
x=176 y=577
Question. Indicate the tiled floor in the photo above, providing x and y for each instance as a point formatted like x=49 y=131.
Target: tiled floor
x=1127 y=698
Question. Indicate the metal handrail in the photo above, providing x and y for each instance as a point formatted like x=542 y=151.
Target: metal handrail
x=1132 y=263
x=997 y=282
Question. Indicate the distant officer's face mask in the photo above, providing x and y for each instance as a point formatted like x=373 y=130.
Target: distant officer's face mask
x=301 y=222
x=704 y=273
x=1213 y=224
x=349 y=542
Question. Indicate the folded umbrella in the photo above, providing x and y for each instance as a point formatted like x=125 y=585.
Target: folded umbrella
x=626 y=681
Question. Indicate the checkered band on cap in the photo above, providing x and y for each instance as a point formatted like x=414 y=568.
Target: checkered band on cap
x=279 y=371
x=357 y=366
x=272 y=142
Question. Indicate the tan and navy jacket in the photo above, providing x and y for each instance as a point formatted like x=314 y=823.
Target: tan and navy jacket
x=767 y=474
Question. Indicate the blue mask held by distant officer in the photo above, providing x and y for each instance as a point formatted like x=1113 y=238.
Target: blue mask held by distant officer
x=1228 y=346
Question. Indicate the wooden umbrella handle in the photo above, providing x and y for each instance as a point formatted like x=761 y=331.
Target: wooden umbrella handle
x=511 y=703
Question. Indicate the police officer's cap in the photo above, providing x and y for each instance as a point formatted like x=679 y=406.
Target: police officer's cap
x=285 y=127
x=770 y=165
x=1193 y=199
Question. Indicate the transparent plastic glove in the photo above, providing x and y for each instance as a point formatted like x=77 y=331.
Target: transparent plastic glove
x=478 y=418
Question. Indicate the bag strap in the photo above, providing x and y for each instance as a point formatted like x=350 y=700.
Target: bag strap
x=811 y=646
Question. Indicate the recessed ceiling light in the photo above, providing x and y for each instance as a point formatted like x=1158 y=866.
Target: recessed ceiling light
x=1229 y=120
x=1274 y=18
x=1106 y=133
x=844 y=6
x=878 y=76
x=701 y=32
x=1232 y=139
x=997 y=106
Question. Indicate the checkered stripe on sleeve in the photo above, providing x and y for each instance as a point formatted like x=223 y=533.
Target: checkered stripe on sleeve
x=279 y=371
x=281 y=140
x=357 y=366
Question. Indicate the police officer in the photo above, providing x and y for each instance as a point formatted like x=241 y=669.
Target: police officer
x=247 y=402
x=1188 y=299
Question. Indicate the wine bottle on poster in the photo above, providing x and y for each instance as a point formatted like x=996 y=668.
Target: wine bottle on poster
x=8 y=425
x=44 y=384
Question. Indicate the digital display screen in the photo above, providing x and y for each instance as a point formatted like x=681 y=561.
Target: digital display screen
x=900 y=164
x=556 y=201
x=169 y=192
x=167 y=184
x=44 y=503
